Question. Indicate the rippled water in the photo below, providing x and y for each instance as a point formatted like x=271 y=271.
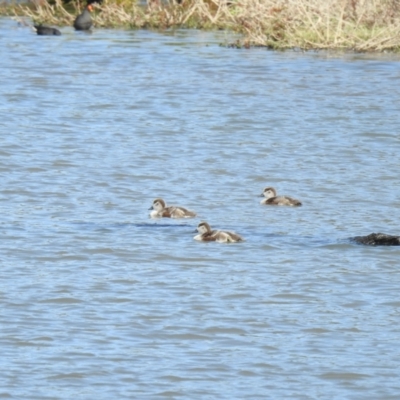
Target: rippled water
x=99 y=301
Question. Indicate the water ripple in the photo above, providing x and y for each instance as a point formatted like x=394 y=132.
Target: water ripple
x=99 y=301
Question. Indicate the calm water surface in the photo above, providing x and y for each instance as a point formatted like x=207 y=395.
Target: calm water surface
x=100 y=302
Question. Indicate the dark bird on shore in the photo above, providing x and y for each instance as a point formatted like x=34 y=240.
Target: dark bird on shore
x=46 y=30
x=83 y=22
x=378 y=239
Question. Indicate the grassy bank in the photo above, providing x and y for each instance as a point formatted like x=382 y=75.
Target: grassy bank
x=357 y=25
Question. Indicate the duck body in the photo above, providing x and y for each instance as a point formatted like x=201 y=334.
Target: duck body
x=206 y=234
x=271 y=199
x=160 y=210
x=378 y=239
x=43 y=30
x=83 y=22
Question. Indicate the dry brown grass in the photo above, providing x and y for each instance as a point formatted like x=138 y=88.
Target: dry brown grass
x=358 y=25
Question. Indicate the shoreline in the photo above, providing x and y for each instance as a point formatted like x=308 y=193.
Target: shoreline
x=346 y=26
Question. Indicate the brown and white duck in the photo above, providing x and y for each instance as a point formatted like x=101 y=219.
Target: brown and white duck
x=206 y=234
x=160 y=210
x=271 y=199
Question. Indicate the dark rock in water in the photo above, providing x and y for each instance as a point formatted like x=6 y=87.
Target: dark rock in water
x=378 y=239
x=46 y=30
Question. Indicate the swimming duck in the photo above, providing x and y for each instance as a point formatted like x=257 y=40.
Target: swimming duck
x=274 y=200
x=83 y=22
x=46 y=30
x=160 y=210
x=206 y=234
x=378 y=239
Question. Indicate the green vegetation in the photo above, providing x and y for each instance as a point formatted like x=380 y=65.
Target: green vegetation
x=344 y=25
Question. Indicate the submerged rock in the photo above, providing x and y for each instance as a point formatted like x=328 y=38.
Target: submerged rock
x=378 y=239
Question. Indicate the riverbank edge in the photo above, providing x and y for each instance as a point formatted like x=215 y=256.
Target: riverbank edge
x=261 y=23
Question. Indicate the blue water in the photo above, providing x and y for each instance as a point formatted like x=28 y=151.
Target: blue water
x=99 y=301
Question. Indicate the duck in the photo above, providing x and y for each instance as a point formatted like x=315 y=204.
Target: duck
x=274 y=200
x=43 y=30
x=206 y=234
x=378 y=239
x=160 y=210
x=83 y=22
